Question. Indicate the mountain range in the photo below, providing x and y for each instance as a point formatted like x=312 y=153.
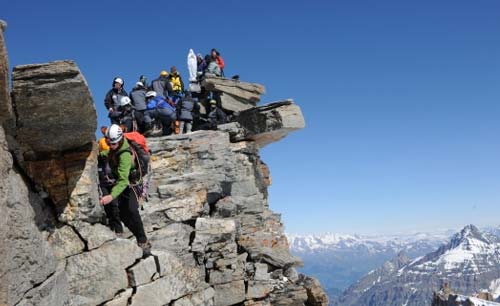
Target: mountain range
x=469 y=263
x=339 y=260
x=365 y=266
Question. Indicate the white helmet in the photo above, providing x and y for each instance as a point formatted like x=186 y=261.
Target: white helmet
x=118 y=80
x=124 y=101
x=140 y=84
x=114 y=133
x=151 y=94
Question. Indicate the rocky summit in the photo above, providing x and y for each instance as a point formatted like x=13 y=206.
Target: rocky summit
x=215 y=240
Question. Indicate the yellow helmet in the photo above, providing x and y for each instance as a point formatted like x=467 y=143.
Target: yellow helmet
x=163 y=73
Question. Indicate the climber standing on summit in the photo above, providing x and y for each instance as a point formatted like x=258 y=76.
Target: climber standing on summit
x=121 y=163
x=162 y=85
x=113 y=98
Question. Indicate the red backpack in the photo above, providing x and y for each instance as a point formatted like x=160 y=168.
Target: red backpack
x=139 y=139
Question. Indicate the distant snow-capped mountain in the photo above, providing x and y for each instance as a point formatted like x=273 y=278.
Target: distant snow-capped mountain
x=375 y=243
x=339 y=260
x=469 y=262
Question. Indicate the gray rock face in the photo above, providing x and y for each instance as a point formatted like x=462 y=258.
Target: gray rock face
x=266 y=124
x=177 y=278
x=210 y=231
x=51 y=98
x=96 y=276
x=237 y=228
x=65 y=242
x=174 y=237
x=230 y=293
x=27 y=259
x=94 y=235
x=201 y=298
x=121 y=299
x=54 y=291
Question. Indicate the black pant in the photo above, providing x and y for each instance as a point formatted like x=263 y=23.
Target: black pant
x=129 y=214
x=112 y=212
x=139 y=119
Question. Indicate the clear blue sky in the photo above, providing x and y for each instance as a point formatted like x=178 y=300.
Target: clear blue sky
x=401 y=98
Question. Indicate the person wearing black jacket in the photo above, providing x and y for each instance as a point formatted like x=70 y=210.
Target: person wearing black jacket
x=113 y=98
x=185 y=113
x=138 y=97
x=215 y=117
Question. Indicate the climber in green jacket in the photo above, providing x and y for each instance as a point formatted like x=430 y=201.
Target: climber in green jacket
x=120 y=160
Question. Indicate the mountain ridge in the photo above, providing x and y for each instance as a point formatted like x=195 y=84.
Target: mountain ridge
x=469 y=262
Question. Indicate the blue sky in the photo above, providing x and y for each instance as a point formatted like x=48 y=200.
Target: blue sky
x=401 y=98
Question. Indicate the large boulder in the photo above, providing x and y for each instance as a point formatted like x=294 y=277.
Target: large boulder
x=56 y=123
x=315 y=294
x=267 y=123
x=52 y=100
x=235 y=95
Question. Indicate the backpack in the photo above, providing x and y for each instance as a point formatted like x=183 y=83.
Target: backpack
x=139 y=139
x=140 y=155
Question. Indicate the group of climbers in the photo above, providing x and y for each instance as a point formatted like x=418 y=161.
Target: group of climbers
x=124 y=155
x=166 y=103
x=212 y=63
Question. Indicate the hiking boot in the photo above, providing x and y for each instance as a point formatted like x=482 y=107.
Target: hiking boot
x=146 y=248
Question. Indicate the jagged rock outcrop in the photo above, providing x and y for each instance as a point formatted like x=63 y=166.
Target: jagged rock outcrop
x=446 y=297
x=28 y=269
x=52 y=100
x=215 y=240
x=265 y=124
x=460 y=300
x=56 y=123
x=234 y=94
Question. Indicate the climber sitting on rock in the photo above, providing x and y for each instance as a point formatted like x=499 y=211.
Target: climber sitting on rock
x=159 y=110
x=212 y=66
x=215 y=117
x=112 y=99
x=127 y=115
x=121 y=163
